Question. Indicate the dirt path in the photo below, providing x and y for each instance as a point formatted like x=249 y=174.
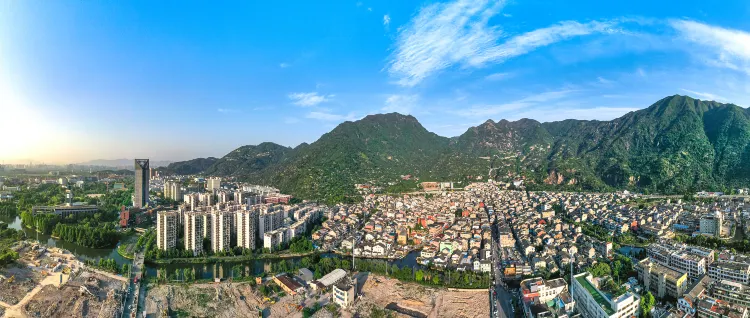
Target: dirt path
x=17 y=311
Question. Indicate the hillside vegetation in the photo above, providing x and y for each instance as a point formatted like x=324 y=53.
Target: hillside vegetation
x=677 y=145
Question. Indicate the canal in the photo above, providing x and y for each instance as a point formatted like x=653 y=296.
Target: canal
x=205 y=271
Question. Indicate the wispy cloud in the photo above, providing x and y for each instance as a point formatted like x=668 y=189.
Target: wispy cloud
x=488 y=111
x=309 y=99
x=458 y=33
x=591 y=113
x=326 y=116
x=226 y=110
x=499 y=76
x=291 y=120
x=703 y=95
x=726 y=48
x=641 y=72
x=403 y=104
x=386 y=20
x=604 y=81
x=284 y=65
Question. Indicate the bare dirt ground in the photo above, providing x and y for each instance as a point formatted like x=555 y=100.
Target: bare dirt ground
x=380 y=291
x=87 y=294
x=221 y=300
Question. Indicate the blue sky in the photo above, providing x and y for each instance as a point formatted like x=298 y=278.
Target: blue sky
x=173 y=80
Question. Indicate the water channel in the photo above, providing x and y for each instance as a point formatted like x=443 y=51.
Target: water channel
x=206 y=271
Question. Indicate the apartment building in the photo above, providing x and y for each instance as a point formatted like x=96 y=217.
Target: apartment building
x=690 y=260
x=537 y=294
x=247 y=224
x=730 y=292
x=269 y=219
x=166 y=229
x=730 y=270
x=222 y=223
x=593 y=303
x=195 y=226
x=661 y=280
x=710 y=224
x=273 y=239
x=213 y=184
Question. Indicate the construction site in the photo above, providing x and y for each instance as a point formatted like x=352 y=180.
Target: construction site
x=221 y=300
x=50 y=282
x=415 y=300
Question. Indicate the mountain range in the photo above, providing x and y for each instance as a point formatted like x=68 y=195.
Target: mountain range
x=122 y=163
x=677 y=145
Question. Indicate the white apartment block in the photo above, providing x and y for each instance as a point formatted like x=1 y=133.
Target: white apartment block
x=273 y=239
x=246 y=228
x=680 y=258
x=593 y=303
x=194 y=231
x=222 y=225
x=270 y=220
x=729 y=270
x=213 y=184
x=166 y=229
x=711 y=224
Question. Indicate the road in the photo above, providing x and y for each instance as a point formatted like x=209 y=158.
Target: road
x=500 y=298
x=131 y=300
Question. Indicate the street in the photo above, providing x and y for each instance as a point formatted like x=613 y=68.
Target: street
x=500 y=298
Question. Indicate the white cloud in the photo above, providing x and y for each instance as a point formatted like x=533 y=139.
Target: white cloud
x=457 y=33
x=284 y=65
x=704 y=95
x=726 y=48
x=226 y=110
x=291 y=120
x=499 y=76
x=325 y=116
x=369 y=9
x=594 y=113
x=386 y=20
x=403 y=104
x=487 y=111
x=309 y=99
x=507 y=15
x=604 y=81
x=641 y=72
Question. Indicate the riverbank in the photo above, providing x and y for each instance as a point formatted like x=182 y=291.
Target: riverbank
x=224 y=259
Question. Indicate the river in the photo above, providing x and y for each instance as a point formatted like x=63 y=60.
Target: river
x=206 y=271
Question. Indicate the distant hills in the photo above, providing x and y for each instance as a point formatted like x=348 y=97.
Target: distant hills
x=121 y=163
x=677 y=145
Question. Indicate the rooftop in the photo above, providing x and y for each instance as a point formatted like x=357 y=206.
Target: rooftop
x=603 y=302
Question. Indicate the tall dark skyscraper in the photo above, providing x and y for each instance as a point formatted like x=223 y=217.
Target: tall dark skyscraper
x=142 y=178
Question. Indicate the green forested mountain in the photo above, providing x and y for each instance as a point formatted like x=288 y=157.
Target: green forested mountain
x=193 y=166
x=249 y=160
x=679 y=144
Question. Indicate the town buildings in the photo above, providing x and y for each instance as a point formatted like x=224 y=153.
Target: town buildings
x=247 y=227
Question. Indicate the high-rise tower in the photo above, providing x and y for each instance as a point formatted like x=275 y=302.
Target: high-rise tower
x=142 y=178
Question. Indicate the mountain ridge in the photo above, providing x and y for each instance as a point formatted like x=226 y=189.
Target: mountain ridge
x=677 y=144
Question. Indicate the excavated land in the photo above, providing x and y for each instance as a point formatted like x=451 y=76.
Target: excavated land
x=418 y=300
x=37 y=265
x=17 y=281
x=86 y=294
x=219 y=300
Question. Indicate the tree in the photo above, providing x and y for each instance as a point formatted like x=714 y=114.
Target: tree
x=647 y=302
x=600 y=269
x=419 y=275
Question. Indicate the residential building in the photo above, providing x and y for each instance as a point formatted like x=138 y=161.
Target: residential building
x=730 y=270
x=142 y=179
x=730 y=292
x=593 y=303
x=195 y=226
x=661 y=280
x=222 y=226
x=213 y=184
x=247 y=221
x=715 y=308
x=538 y=294
x=710 y=224
x=166 y=229
x=344 y=292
